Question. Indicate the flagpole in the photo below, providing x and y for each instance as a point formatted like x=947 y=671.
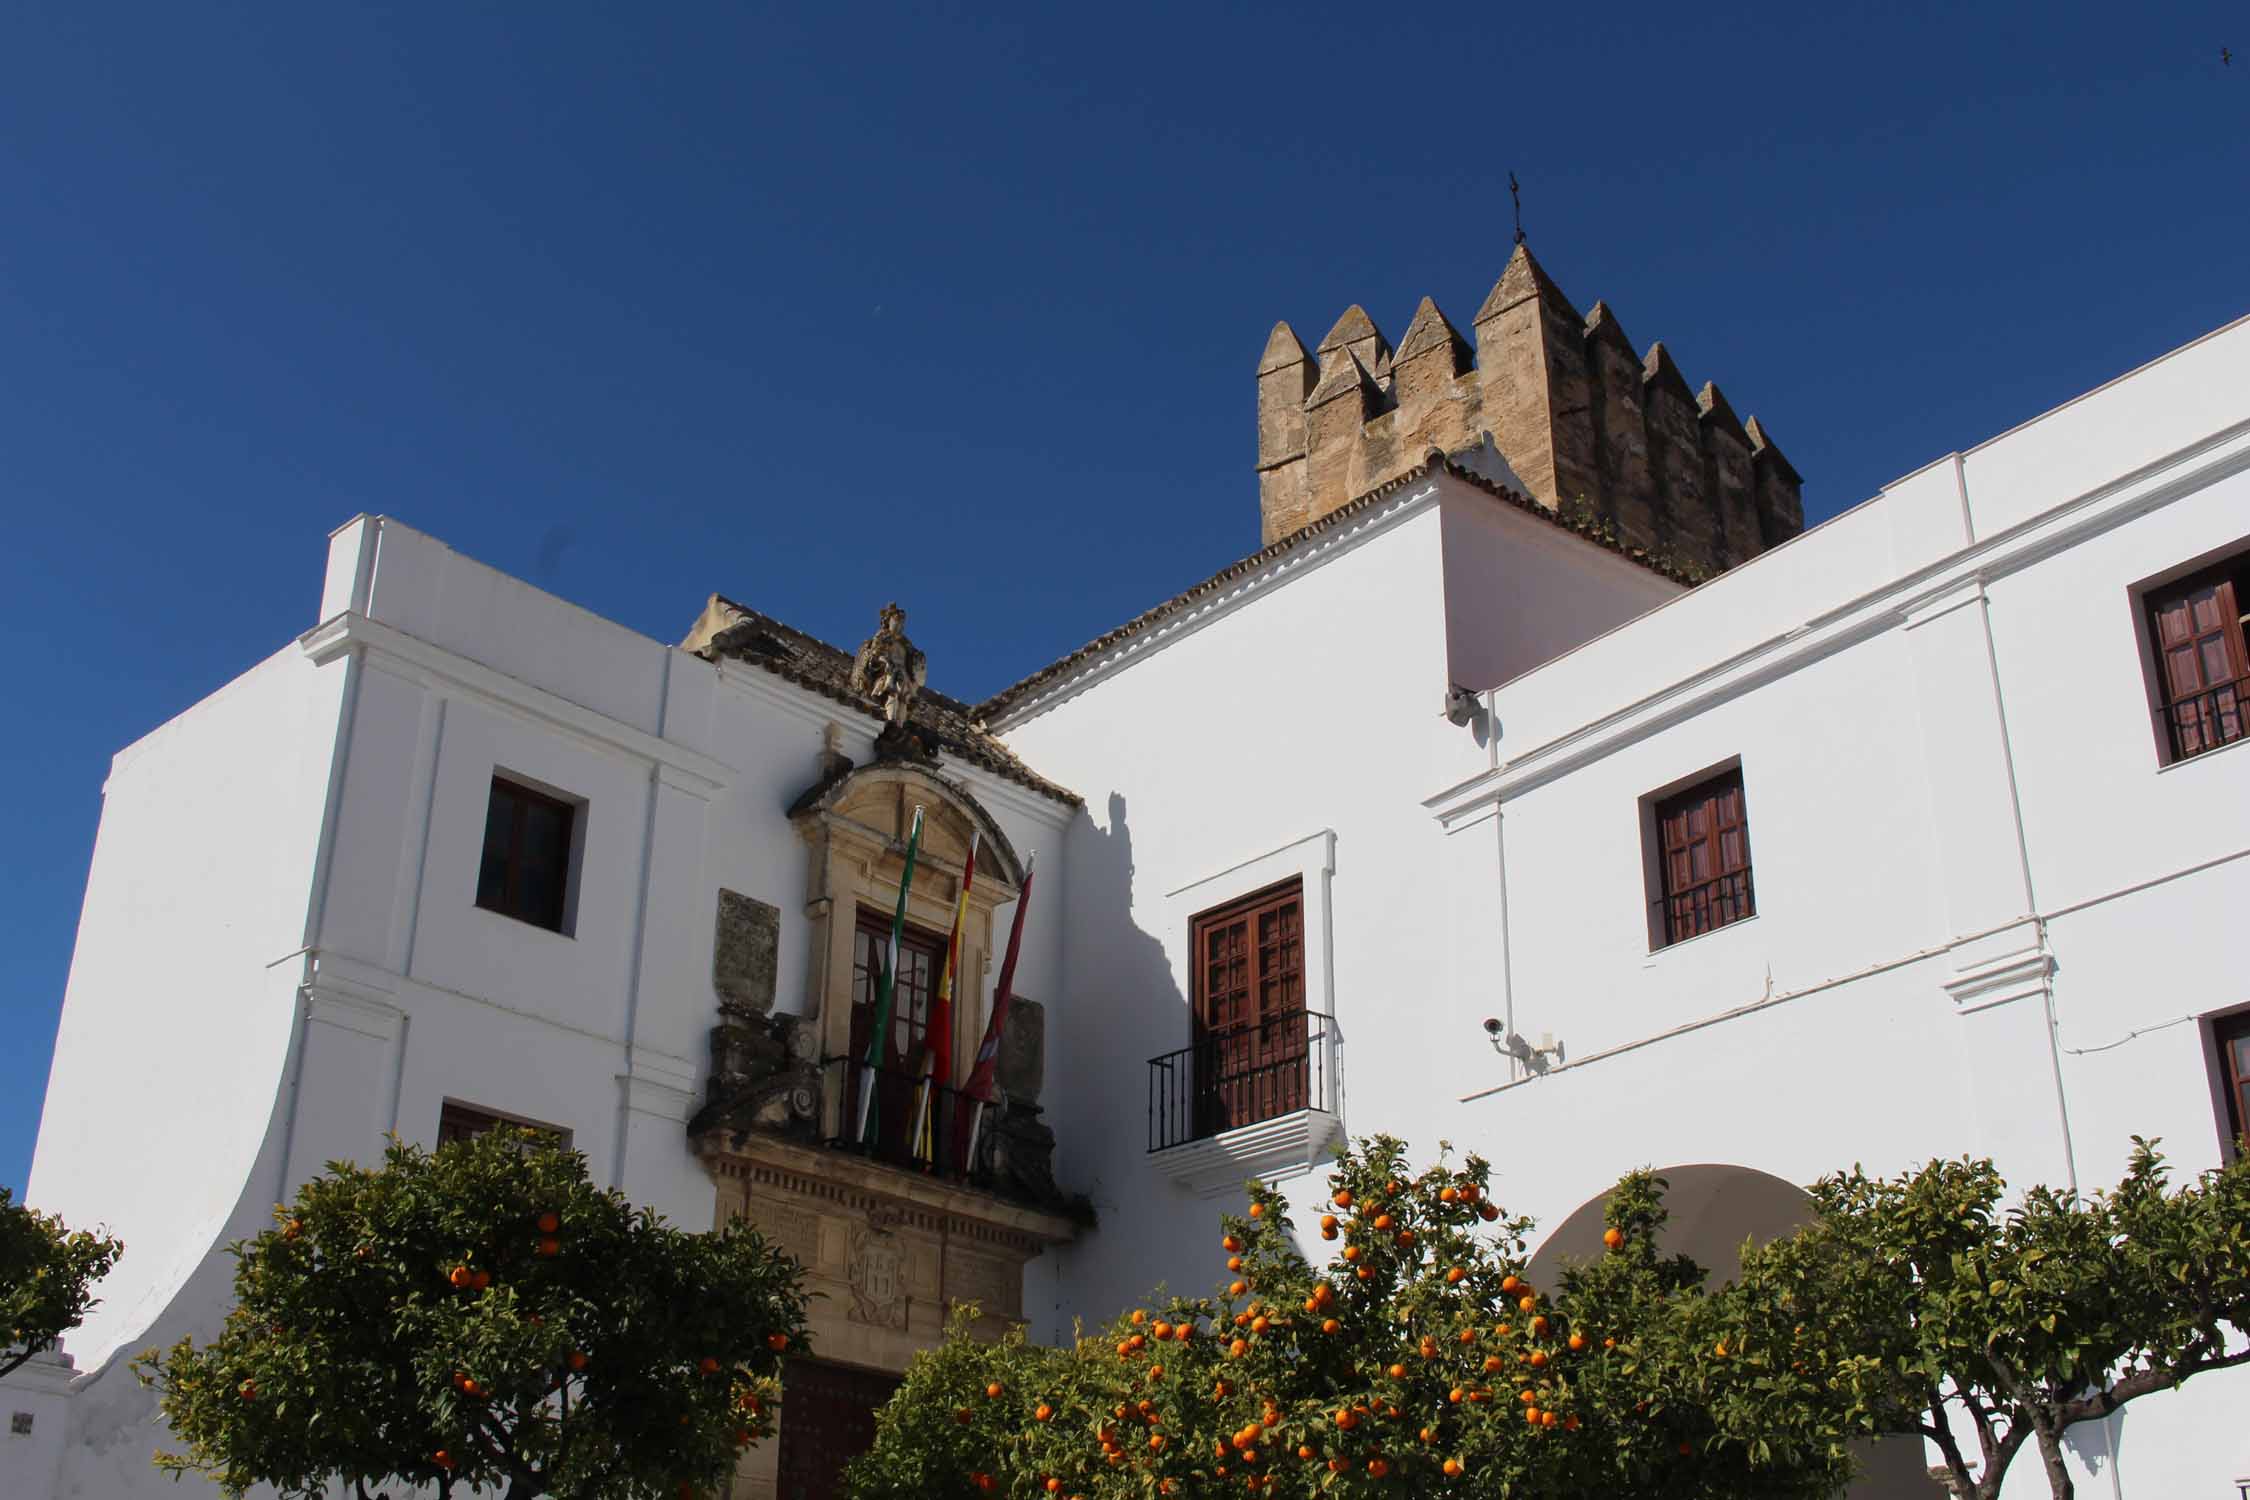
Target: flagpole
x=885 y=983
x=925 y=1127
x=1002 y=993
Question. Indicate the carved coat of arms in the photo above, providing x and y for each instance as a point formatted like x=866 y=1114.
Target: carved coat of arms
x=876 y=1268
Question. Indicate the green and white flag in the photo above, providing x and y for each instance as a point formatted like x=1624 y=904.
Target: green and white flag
x=869 y=1120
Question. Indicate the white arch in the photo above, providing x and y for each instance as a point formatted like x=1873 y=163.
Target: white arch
x=1714 y=1208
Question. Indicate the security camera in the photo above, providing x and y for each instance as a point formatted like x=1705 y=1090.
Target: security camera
x=1491 y=1025
x=1460 y=704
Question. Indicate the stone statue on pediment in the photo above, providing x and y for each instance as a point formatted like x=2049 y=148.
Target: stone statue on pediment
x=890 y=668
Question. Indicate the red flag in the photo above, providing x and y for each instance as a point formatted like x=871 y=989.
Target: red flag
x=980 y=1085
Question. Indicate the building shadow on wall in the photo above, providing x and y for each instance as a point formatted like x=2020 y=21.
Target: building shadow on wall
x=1123 y=1006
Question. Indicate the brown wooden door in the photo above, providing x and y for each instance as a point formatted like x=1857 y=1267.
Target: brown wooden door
x=921 y=956
x=827 y=1420
x=2199 y=649
x=1250 y=1009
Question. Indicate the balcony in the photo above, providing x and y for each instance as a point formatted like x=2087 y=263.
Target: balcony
x=1253 y=1101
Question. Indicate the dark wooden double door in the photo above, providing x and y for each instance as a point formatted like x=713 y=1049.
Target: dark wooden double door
x=921 y=960
x=827 y=1420
x=1252 y=1034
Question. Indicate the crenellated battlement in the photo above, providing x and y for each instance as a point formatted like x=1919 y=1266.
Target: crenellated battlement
x=1578 y=417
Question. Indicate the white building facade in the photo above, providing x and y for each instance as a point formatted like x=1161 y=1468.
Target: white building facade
x=1916 y=835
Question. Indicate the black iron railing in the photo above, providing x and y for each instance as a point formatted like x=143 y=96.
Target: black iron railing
x=2204 y=721
x=1227 y=1079
x=1706 y=905
x=893 y=1116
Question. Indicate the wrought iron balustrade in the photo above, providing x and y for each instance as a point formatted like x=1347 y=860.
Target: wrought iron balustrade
x=2219 y=715
x=1224 y=1080
x=907 y=1122
x=1706 y=905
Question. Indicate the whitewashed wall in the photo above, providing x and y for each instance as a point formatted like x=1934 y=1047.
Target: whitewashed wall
x=281 y=957
x=1291 y=727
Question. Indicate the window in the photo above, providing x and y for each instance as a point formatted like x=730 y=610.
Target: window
x=525 y=873
x=898 y=1077
x=462 y=1122
x=1252 y=1034
x=2230 y=1035
x=2195 y=628
x=1702 y=858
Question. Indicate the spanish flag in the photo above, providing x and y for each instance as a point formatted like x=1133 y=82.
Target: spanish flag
x=937 y=1039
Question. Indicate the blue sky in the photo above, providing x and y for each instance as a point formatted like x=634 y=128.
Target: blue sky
x=827 y=305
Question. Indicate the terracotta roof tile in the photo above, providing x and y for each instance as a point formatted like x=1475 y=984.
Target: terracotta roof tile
x=736 y=632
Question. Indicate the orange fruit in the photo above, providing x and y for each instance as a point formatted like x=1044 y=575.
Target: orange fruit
x=1257 y=1209
x=1488 y=1212
x=1237 y=1287
x=549 y=1222
x=1398 y=1372
x=1343 y=1198
x=707 y=1365
x=963 y=1415
x=1509 y=1283
x=578 y=1359
x=1452 y=1468
x=992 y=1391
x=1577 y=1341
x=777 y=1342
x=443 y=1460
x=1329 y=1325
x=459 y=1276
x=1454 y=1276
x=1538 y=1358
x=1613 y=1237
x=1042 y=1412
x=1230 y=1242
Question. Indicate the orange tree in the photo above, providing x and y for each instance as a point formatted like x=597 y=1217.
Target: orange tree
x=481 y=1317
x=1416 y=1359
x=1937 y=1313
x=47 y=1274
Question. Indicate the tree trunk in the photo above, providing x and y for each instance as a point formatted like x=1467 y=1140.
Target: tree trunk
x=2058 y=1473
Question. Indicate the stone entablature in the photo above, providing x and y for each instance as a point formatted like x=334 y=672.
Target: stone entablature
x=887 y=1253
x=1578 y=421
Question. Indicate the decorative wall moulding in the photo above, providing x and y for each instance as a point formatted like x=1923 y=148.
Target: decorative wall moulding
x=1287 y=1146
x=2012 y=976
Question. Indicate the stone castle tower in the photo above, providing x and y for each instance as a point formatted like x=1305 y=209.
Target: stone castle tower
x=1580 y=421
